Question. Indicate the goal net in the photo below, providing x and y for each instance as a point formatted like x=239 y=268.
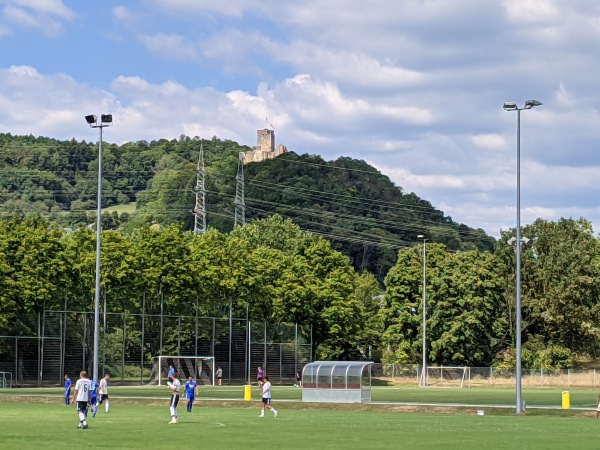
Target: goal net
x=445 y=377
x=201 y=368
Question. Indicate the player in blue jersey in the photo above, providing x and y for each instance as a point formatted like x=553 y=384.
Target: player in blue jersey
x=191 y=390
x=94 y=397
x=67 y=390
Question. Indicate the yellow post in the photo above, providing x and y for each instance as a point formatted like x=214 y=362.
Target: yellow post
x=247 y=393
x=566 y=400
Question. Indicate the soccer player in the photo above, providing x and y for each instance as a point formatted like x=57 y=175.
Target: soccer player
x=259 y=376
x=93 y=397
x=219 y=375
x=170 y=373
x=266 y=398
x=67 y=390
x=174 y=386
x=82 y=396
x=299 y=378
x=191 y=389
x=103 y=393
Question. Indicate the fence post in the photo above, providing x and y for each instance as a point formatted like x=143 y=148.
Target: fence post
x=39 y=344
x=123 y=350
x=393 y=371
x=265 y=348
x=84 y=343
x=17 y=360
x=179 y=335
x=196 y=331
x=281 y=363
x=161 y=319
x=249 y=350
x=230 y=332
x=104 y=335
x=296 y=349
x=143 y=330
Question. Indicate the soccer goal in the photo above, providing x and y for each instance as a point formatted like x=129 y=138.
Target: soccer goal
x=5 y=380
x=201 y=368
x=445 y=377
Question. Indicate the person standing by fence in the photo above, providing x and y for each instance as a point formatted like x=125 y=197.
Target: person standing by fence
x=67 y=390
x=259 y=375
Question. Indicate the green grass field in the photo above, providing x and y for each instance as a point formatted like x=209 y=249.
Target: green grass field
x=54 y=426
x=475 y=396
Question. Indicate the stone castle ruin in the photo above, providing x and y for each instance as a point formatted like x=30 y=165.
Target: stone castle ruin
x=265 y=147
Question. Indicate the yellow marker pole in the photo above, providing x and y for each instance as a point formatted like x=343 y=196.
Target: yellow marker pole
x=566 y=400
x=247 y=393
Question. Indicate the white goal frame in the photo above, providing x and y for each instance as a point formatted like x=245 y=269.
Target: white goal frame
x=201 y=368
x=447 y=377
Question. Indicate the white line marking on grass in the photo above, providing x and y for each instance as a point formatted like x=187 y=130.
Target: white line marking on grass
x=219 y=424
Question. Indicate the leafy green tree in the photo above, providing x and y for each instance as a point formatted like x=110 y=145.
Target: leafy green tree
x=467 y=322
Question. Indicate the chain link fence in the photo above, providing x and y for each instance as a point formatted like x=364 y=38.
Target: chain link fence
x=64 y=345
x=490 y=376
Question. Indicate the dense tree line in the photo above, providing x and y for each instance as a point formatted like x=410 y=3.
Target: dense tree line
x=471 y=301
x=346 y=201
x=273 y=271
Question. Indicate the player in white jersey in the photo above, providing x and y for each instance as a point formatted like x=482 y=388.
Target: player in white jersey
x=103 y=392
x=266 y=397
x=174 y=386
x=82 y=397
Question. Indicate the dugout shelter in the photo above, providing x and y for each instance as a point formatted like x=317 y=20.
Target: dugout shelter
x=337 y=382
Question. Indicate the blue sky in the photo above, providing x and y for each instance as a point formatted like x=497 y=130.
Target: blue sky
x=414 y=87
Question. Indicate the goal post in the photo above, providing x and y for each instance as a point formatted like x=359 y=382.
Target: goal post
x=201 y=368
x=445 y=377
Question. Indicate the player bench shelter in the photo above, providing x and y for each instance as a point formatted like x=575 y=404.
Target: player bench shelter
x=337 y=382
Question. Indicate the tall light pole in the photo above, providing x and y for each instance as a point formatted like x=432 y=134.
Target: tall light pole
x=424 y=366
x=105 y=121
x=512 y=106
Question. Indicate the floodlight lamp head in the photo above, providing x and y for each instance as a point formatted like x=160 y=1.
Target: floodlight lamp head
x=512 y=240
x=532 y=103
x=525 y=240
x=510 y=106
x=91 y=119
x=106 y=118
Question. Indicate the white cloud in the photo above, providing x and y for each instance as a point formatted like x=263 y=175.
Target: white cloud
x=49 y=7
x=170 y=46
x=44 y=15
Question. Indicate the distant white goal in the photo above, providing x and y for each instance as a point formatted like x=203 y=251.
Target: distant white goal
x=445 y=377
x=201 y=368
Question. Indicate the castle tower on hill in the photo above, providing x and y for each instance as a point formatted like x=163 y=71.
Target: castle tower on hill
x=265 y=147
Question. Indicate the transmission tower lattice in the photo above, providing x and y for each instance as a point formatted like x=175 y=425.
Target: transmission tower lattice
x=200 y=190
x=240 y=204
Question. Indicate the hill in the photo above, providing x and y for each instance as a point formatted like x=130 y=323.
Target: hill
x=348 y=201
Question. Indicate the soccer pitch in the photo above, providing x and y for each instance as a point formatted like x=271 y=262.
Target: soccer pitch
x=54 y=426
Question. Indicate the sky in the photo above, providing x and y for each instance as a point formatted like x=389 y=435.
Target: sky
x=413 y=87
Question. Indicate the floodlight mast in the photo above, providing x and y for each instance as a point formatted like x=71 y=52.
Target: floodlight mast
x=105 y=121
x=424 y=325
x=512 y=106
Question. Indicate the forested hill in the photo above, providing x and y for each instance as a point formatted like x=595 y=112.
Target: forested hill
x=348 y=201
